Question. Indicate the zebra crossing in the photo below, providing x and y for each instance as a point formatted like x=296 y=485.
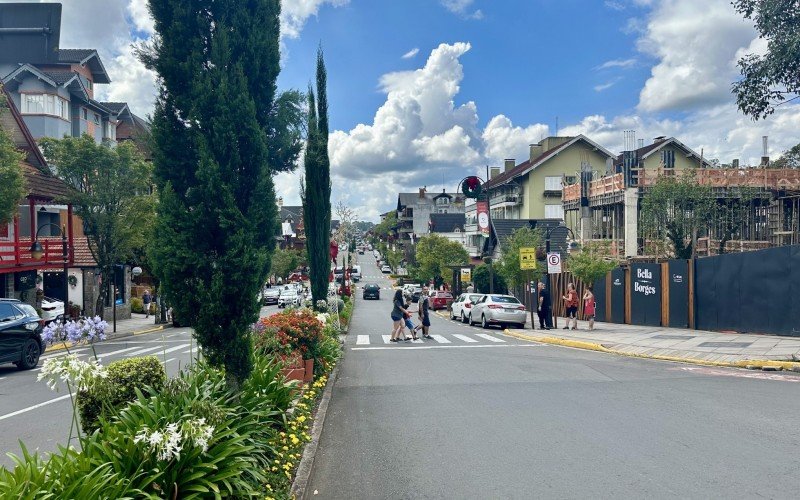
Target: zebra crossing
x=436 y=339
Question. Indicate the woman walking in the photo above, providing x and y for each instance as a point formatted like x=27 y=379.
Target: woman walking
x=589 y=306
x=398 y=315
x=571 y=304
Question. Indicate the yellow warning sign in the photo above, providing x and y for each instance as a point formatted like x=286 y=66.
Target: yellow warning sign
x=527 y=258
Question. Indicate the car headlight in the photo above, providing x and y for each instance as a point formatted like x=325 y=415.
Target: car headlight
x=32 y=326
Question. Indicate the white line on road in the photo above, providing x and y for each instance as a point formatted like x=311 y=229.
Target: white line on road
x=411 y=347
x=118 y=351
x=170 y=359
x=61 y=353
x=24 y=410
x=173 y=349
x=146 y=349
x=362 y=339
x=489 y=337
x=464 y=337
x=440 y=339
x=386 y=338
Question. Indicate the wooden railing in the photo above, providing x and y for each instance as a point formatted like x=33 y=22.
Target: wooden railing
x=571 y=192
x=18 y=253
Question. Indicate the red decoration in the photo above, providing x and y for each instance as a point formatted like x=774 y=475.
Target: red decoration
x=334 y=250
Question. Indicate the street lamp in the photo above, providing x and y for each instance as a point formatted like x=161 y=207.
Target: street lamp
x=37 y=252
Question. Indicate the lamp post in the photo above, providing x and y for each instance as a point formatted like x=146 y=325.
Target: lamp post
x=37 y=252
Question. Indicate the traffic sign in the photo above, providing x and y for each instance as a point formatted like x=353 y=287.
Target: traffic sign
x=553 y=262
x=527 y=258
x=466 y=275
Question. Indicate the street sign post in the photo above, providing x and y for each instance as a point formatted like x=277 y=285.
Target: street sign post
x=527 y=258
x=553 y=263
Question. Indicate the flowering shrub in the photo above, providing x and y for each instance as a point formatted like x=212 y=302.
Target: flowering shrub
x=88 y=330
x=77 y=374
x=297 y=329
x=168 y=442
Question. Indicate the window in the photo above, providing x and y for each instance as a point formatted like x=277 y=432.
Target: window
x=62 y=108
x=442 y=201
x=7 y=313
x=96 y=119
x=32 y=103
x=554 y=212
x=85 y=114
x=44 y=104
x=552 y=183
x=50 y=104
x=47 y=224
x=108 y=130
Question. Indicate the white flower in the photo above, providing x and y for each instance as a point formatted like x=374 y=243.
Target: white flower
x=69 y=369
x=168 y=443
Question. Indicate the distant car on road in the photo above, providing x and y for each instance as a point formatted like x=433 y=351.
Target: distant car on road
x=461 y=307
x=441 y=300
x=372 y=291
x=385 y=269
x=288 y=297
x=20 y=334
x=355 y=273
x=270 y=296
x=500 y=310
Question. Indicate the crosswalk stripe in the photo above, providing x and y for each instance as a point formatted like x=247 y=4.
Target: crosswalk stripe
x=418 y=341
x=489 y=337
x=440 y=339
x=62 y=353
x=386 y=338
x=172 y=349
x=142 y=351
x=464 y=337
x=362 y=340
x=118 y=351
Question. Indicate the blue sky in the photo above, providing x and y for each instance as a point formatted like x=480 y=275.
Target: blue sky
x=483 y=79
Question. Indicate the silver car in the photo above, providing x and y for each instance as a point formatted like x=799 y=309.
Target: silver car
x=288 y=297
x=498 y=310
x=461 y=307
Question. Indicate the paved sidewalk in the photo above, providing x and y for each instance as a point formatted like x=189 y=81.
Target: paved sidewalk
x=675 y=344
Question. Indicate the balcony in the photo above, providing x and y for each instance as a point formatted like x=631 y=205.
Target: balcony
x=16 y=255
x=505 y=200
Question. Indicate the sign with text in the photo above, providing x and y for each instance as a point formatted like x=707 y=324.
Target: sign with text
x=466 y=275
x=527 y=258
x=482 y=208
x=553 y=262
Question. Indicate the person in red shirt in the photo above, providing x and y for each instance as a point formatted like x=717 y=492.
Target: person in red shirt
x=589 y=306
x=571 y=304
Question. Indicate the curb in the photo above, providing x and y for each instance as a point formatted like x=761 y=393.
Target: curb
x=112 y=336
x=303 y=474
x=591 y=346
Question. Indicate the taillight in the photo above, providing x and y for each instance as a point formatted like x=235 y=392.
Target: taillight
x=467 y=305
x=495 y=306
x=521 y=308
x=41 y=323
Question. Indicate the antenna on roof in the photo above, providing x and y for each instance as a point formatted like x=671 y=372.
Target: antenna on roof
x=556 y=134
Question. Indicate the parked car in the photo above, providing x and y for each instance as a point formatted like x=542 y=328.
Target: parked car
x=498 y=310
x=52 y=309
x=338 y=273
x=441 y=300
x=288 y=297
x=20 y=334
x=461 y=306
x=270 y=296
x=355 y=273
x=371 y=291
x=385 y=269
x=360 y=251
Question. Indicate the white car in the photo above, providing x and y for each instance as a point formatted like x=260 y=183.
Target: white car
x=385 y=269
x=500 y=310
x=355 y=274
x=288 y=297
x=462 y=306
x=52 y=309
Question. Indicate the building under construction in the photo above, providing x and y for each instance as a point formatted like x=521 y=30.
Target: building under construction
x=607 y=205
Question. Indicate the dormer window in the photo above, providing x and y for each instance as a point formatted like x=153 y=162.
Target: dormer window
x=443 y=201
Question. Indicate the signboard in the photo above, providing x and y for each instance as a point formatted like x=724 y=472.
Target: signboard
x=646 y=294
x=466 y=275
x=553 y=263
x=24 y=280
x=483 y=216
x=527 y=258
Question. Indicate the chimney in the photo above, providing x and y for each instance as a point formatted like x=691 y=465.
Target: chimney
x=765 y=151
x=639 y=143
x=660 y=138
x=494 y=172
x=509 y=164
x=536 y=151
x=422 y=192
x=735 y=163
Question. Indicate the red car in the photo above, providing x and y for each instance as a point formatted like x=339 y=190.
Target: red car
x=294 y=277
x=441 y=300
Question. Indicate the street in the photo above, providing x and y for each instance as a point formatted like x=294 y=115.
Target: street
x=480 y=418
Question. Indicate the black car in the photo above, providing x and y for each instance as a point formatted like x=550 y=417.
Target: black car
x=372 y=291
x=20 y=334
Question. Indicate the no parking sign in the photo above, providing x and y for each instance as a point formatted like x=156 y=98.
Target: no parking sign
x=553 y=263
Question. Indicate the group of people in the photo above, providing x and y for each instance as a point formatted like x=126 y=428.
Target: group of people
x=401 y=317
x=571 y=303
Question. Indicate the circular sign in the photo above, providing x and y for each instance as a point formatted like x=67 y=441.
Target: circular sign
x=483 y=220
x=554 y=259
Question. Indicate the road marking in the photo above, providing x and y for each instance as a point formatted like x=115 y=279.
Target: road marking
x=30 y=408
x=172 y=349
x=738 y=373
x=362 y=339
x=386 y=338
x=440 y=339
x=489 y=337
x=411 y=347
x=61 y=353
x=464 y=337
x=167 y=361
x=146 y=349
x=119 y=351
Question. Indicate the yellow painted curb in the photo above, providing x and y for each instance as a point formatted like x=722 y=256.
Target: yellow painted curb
x=150 y=330
x=579 y=344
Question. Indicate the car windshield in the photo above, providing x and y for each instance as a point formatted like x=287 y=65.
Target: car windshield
x=28 y=309
x=504 y=300
x=475 y=298
x=372 y=286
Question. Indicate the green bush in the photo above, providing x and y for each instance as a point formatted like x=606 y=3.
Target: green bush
x=119 y=388
x=137 y=305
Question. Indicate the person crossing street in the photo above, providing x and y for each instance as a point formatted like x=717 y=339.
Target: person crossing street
x=422 y=312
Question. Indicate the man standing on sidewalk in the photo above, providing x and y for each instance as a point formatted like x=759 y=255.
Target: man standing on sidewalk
x=544 y=310
x=146 y=300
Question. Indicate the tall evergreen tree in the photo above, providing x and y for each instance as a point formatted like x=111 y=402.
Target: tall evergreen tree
x=316 y=190
x=218 y=63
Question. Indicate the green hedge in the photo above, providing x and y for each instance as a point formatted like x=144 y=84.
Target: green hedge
x=119 y=388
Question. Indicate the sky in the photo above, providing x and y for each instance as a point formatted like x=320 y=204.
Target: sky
x=426 y=92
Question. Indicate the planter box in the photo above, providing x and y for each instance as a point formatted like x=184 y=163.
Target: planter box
x=294 y=374
x=309 y=369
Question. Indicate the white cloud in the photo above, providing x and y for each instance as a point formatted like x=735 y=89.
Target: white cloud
x=140 y=16
x=611 y=4
x=617 y=63
x=696 y=44
x=411 y=53
x=605 y=86
x=295 y=13
x=462 y=8
x=504 y=140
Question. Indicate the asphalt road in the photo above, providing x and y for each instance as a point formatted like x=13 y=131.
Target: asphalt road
x=509 y=419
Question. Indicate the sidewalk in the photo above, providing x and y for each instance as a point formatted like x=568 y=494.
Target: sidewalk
x=754 y=351
x=136 y=325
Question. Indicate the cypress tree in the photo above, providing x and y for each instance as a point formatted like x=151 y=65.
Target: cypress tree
x=316 y=190
x=218 y=63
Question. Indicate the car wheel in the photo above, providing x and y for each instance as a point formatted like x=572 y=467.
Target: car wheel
x=30 y=355
x=452 y=315
x=484 y=324
x=469 y=320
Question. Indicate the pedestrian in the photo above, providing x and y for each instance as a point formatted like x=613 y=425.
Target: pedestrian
x=412 y=328
x=398 y=313
x=470 y=288
x=571 y=305
x=422 y=312
x=146 y=300
x=589 y=306
x=544 y=308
